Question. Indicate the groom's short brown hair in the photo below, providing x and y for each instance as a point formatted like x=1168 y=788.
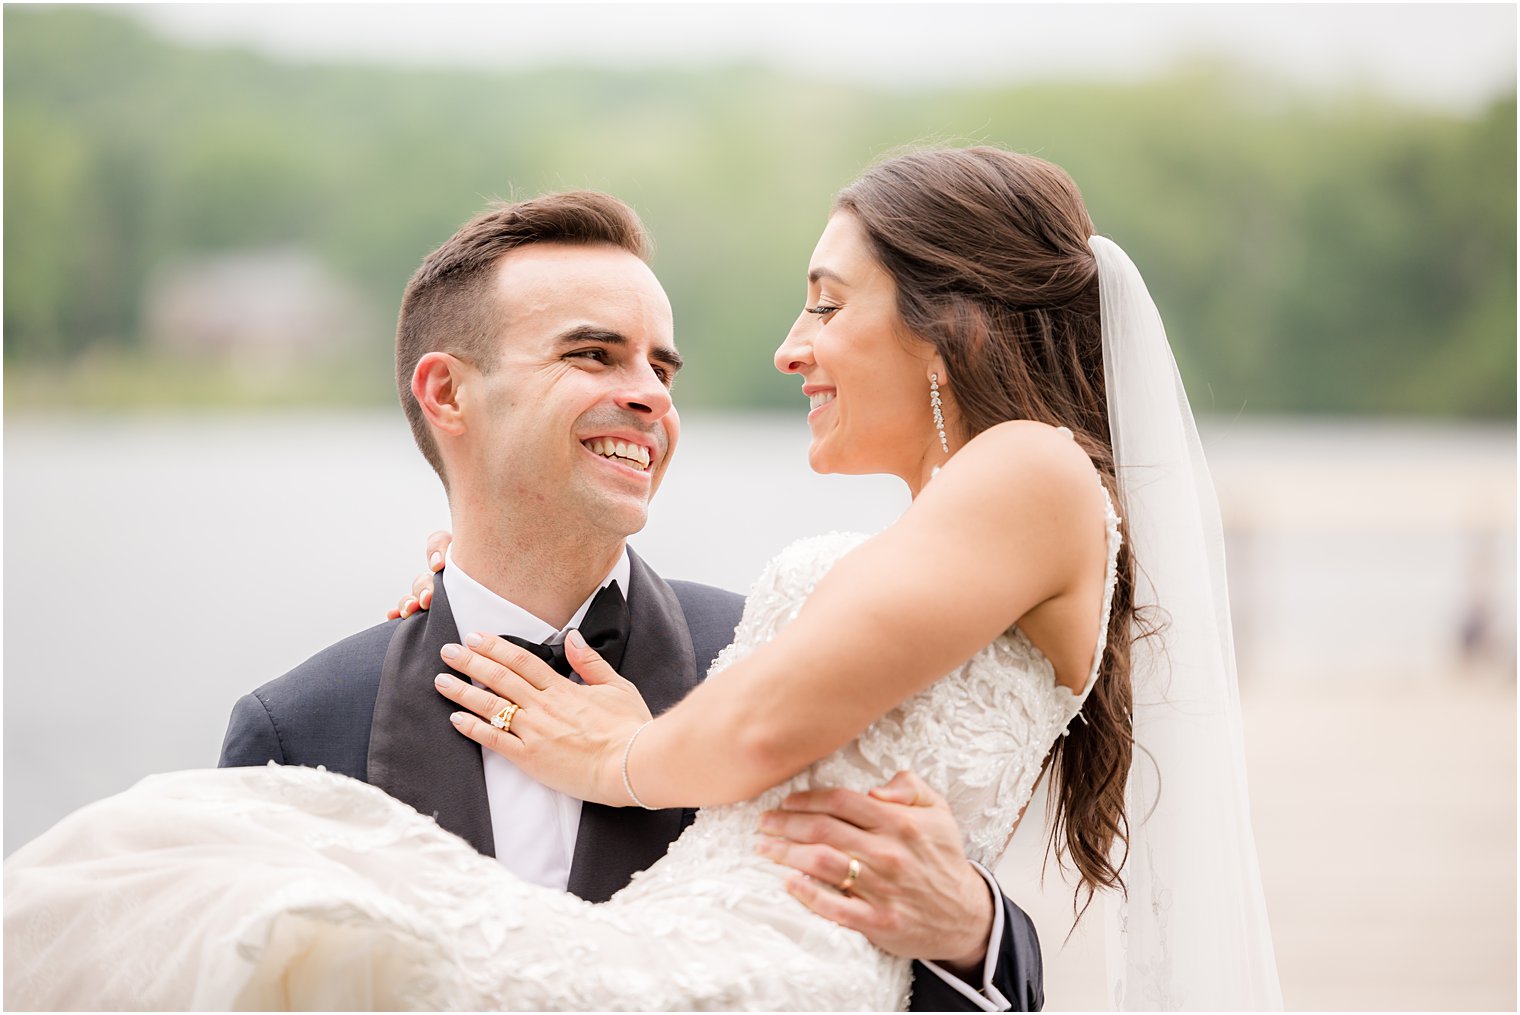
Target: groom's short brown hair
x=450 y=304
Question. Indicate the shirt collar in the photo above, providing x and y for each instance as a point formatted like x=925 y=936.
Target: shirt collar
x=477 y=608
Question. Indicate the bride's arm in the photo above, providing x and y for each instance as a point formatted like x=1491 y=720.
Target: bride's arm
x=1014 y=520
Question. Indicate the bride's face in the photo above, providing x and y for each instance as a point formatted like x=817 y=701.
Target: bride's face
x=865 y=375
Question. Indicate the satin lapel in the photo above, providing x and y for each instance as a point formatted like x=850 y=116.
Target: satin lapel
x=615 y=842
x=415 y=754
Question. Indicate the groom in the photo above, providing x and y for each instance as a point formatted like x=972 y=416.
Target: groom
x=534 y=358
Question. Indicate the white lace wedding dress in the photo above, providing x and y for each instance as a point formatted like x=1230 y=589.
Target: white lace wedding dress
x=294 y=888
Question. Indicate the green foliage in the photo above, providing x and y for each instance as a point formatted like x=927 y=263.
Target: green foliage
x=1308 y=256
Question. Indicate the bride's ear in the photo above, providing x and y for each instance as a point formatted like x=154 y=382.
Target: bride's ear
x=935 y=373
x=437 y=383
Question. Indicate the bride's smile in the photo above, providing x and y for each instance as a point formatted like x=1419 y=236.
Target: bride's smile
x=816 y=399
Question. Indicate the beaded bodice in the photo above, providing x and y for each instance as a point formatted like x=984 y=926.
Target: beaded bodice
x=979 y=735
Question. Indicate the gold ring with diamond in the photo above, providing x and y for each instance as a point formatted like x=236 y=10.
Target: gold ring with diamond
x=851 y=876
x=503 y=720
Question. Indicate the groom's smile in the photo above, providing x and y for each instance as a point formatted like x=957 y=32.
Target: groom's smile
x=628 y=453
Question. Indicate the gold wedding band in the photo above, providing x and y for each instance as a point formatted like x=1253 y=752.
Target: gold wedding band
x=503 y=720
x=851 y=876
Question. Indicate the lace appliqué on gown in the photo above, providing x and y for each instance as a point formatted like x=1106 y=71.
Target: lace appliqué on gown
x=289 y=887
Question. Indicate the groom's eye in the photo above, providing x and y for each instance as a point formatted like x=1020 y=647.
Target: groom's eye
x=600 y=355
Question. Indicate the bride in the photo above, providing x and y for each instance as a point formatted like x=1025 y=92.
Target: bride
x=965 y=331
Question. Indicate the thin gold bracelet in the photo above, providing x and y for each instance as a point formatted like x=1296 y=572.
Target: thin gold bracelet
x=626 y=784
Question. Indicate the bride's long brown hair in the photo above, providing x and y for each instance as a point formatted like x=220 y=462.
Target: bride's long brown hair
x=989 y=252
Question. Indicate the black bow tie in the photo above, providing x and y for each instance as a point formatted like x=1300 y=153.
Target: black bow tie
x=605 y=628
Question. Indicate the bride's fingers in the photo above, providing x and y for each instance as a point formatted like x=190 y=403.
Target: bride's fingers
x=512 y=657
x=506 y=681
x=589 y=663
x=422 y=589
x=477 y=699
x=488 y=736
x=437 y=543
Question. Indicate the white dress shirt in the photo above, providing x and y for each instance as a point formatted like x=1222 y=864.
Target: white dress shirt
x=534 y=826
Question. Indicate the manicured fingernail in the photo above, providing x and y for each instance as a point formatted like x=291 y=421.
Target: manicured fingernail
x=425 y=598
x=574 y=638
x=408 y=607
x=457 y=718
x=451 y=651
x=443 y=680
x=473 y=639
x=436 y=560
x=768 y=824
x=767 y=847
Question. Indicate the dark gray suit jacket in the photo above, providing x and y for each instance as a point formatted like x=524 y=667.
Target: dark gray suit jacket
x=366 y=708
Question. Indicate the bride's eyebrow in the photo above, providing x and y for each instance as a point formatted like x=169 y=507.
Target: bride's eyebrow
x=821 y=273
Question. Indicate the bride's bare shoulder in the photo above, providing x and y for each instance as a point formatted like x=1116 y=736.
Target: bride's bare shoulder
x=1019 y=490
x=1021 y=459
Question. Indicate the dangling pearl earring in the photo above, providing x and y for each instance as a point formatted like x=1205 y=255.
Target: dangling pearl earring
x=939 y=417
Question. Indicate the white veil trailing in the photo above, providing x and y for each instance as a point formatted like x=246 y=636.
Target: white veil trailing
x=1193 y=934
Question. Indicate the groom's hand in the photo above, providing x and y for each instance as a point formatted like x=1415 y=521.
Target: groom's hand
x=915 y=894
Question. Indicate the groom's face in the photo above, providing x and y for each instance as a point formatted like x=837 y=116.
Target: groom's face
x=574 y=425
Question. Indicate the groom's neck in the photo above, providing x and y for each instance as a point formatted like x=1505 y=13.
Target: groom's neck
x=548 y=574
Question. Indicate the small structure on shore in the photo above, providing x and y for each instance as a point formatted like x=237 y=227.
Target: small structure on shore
x=269 y=307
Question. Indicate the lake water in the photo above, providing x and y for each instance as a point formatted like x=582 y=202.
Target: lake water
x=157 y=568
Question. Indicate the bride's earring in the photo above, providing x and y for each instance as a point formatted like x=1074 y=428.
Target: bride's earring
x=939 y=417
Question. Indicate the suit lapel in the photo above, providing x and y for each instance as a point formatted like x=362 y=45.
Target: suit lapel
x=415 y=754
x=616 y=842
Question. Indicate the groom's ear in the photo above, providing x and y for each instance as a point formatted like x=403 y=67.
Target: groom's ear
x=435 y=385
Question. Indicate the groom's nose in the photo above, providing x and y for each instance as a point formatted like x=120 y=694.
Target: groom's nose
x=645 y=394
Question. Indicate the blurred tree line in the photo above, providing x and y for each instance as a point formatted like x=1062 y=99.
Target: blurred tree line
x=1309 y=255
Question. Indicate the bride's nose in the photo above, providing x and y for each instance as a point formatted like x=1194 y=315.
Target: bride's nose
x=795 y=353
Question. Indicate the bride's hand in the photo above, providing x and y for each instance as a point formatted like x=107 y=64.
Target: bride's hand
x=566 y=735
x=421 y=596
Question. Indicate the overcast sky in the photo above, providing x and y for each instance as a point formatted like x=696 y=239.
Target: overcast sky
x=1452 y=56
